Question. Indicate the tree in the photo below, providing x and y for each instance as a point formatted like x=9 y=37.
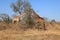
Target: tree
x=5 y=18
x=20 y=6
x=24 y=6
x=29 y=18
x=17 y=7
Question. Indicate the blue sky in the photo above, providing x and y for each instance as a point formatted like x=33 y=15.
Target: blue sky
x=44 y=8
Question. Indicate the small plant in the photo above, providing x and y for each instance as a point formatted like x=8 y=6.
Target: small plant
x=52 y=21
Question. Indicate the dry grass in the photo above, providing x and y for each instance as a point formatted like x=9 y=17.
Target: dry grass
x=52 y=33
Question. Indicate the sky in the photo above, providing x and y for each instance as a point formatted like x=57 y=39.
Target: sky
x=44 y=8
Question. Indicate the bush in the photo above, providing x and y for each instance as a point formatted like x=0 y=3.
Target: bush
x=53 y=21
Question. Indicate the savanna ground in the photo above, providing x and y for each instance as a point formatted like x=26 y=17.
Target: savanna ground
x=14 y=33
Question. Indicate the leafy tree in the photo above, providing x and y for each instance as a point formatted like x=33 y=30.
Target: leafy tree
x=29 y=18
x=5 y=18
x=18 y=6
x=24 y=6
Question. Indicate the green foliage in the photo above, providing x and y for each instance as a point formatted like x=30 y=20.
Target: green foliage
x=20 y=6
x=29 y=18
x=5 y=18
x=53 y=21
x=24 y=6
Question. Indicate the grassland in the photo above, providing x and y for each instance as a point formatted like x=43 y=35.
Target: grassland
x=52 y=33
